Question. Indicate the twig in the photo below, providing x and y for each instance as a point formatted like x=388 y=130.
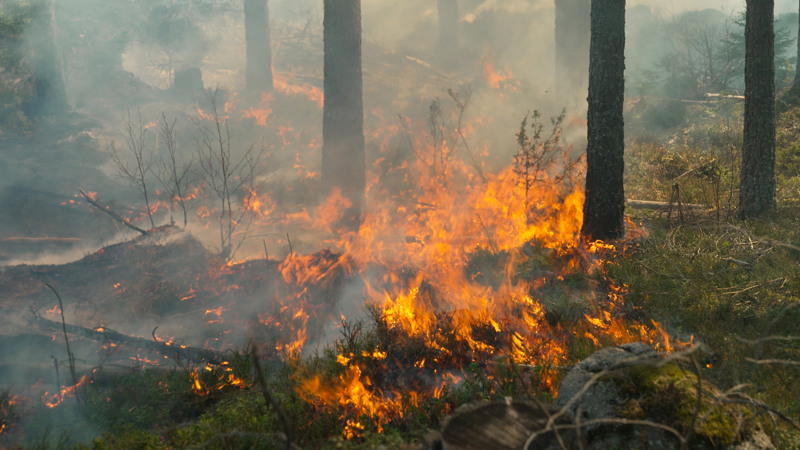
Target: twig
x=753 y=286
x=751 y=402
x=783 y=362
x=66 y=338
x=744 y=264
x=111 y=213
x=696 y=413
x=291 y=252
x=269 y=399
x=266 y=252
x=766 y=241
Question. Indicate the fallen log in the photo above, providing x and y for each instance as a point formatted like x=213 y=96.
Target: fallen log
x=168 y=349
x=648 y=204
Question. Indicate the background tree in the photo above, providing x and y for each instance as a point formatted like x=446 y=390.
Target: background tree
x=258 y=75
x=343 y=160
x=51 y=97
x=757 y=186
x=448 y=30
x=572 y=49
x=603 y=210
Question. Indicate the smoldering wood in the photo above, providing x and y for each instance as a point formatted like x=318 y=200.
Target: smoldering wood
x=111 y=213
x=171 y=350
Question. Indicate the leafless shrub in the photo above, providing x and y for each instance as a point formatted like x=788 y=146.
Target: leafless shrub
x=229 y=176
x=171 y=172
x=135 y=171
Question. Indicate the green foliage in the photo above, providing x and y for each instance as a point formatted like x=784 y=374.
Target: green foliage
x=727 y=286
x=668 y=395
x=143 y=399
x=703 y=161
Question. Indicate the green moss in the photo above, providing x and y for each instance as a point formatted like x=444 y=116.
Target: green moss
x=668 y=395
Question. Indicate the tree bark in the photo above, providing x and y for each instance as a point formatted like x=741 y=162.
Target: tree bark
x=51 y=97
x=258 y=75
x=604 y=207
x=757 y=186
x=572 y=37
x=796 y=84
x=448 y=30
x=343 y=160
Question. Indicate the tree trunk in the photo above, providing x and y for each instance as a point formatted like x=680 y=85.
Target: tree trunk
x=757 y=187
x=572 y=51
x=343 y=160
x=51 y=97
x=258 y=75
x=448 y=30
x=603 y=210
x=796 y=84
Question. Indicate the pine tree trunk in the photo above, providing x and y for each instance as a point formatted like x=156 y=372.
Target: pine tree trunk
x=572 y=37
x=603 y=210
x=258 y=75
x=796 y=84
x=51 y=97
x=343 y=160
x=757 y=187
x=448 y=30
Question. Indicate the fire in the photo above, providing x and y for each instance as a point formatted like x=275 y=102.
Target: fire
x=312 y=93
x=355 y=394
x=209 y=379
x=53 y=400
x=444 y=221
x=493 y=78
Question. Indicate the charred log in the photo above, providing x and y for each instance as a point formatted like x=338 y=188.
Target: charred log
x=168 y=349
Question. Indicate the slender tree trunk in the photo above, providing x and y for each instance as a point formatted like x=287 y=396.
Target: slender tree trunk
x=258 y=76
x=757 y=187
x=51 y=97
x=572 y=36
x=448 y=30
x=603 y=210
x=796 y=84
x=343 y=160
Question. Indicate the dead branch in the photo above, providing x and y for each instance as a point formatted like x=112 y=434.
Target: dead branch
x=168 y=349
x=66 y=338
x=648 y=204
x=270 y=400
x=111 y=213
x=783 y=362
x=764 y=241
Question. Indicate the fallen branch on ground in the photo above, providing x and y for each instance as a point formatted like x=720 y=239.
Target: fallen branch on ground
x=169 y=349
x=111 y=213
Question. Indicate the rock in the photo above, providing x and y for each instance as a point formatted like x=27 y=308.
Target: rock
x=599 y=400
